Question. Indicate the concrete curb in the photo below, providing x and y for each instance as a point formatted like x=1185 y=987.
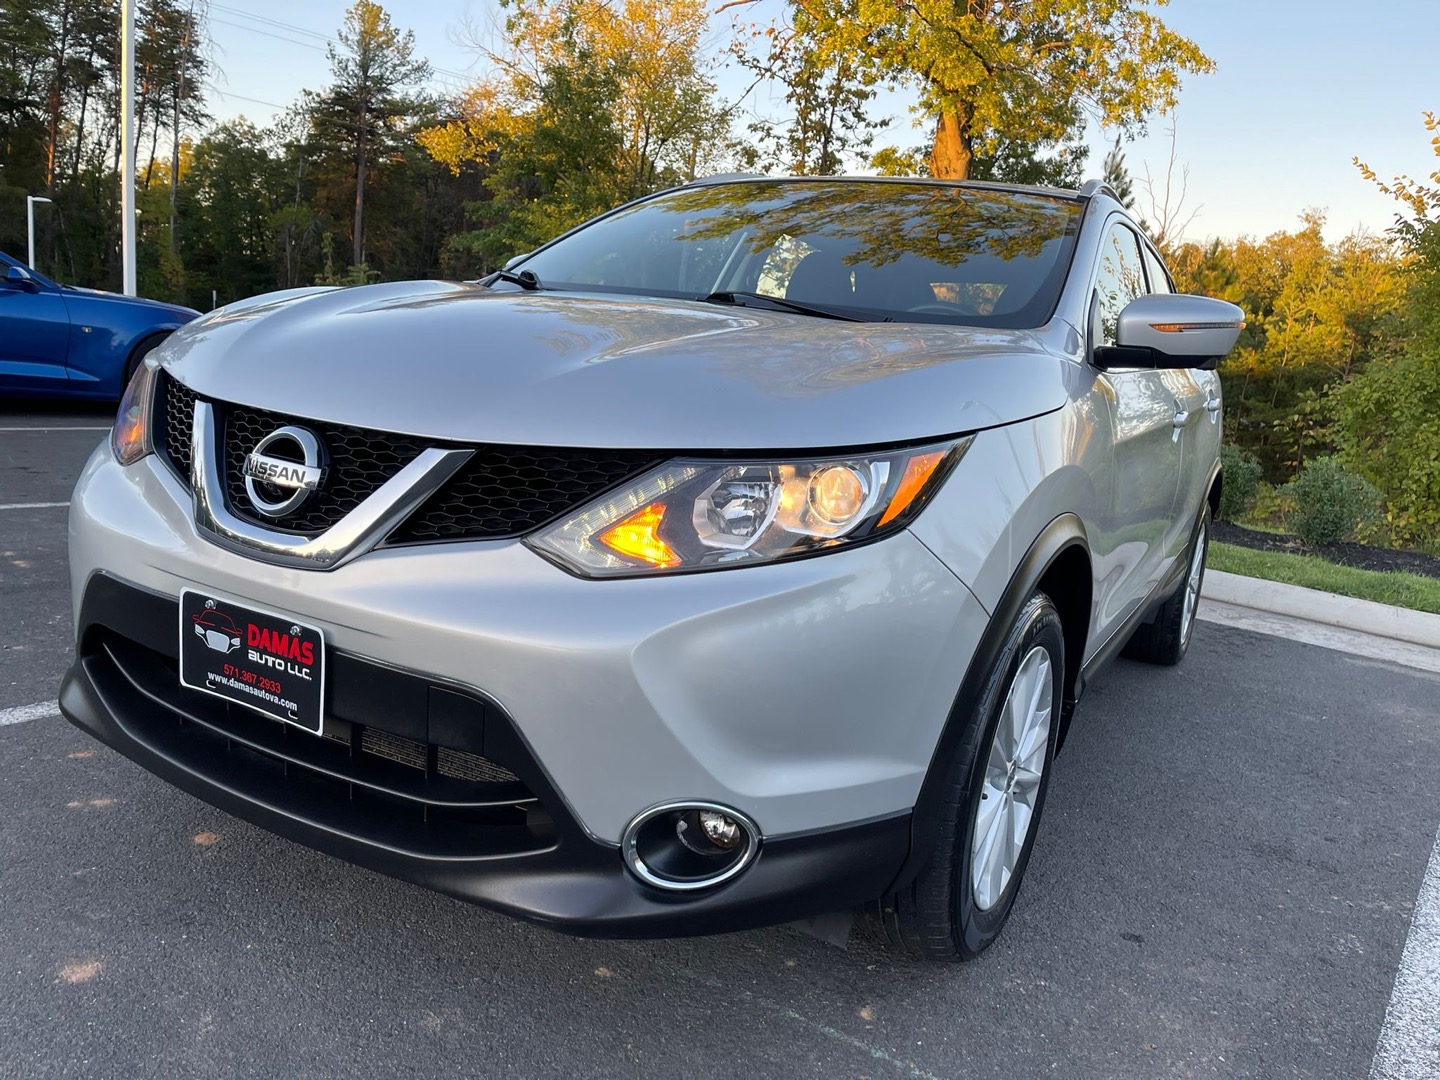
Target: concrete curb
x=1381 y=620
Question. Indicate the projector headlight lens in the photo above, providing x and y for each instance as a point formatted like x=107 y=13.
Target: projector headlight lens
x=691 y=515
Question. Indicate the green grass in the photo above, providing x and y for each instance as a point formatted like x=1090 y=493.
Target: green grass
x=1401 y=590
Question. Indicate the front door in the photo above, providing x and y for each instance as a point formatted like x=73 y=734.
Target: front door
x=1131 y=550
x=34 y=336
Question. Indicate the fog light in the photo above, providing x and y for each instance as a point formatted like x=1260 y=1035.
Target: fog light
x=686 y=846
x=722 y=831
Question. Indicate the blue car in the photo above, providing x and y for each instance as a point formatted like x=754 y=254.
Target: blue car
x=59 y=340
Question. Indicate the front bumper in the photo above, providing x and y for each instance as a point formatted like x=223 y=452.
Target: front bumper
x=807 y=695
x=122 y=690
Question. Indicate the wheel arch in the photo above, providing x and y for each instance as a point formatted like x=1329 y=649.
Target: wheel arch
x=137 y=352
x=1060 y=559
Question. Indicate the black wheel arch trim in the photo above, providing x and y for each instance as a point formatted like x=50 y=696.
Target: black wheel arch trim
x=1062 y=534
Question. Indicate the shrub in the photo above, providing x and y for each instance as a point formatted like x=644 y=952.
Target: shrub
x=1241 y=483
x=1388 y=429
x=1329 y=502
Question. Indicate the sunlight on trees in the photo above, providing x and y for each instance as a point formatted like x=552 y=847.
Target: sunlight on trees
x=1009 y=70
x=590 y=105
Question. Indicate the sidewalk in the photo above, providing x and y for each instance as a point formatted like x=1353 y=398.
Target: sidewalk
x=1360 y=627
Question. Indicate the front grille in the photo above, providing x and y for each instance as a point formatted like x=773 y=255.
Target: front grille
x=499 y=493
x=174 y=419
x=359 y=462
x=360 y=781
x=463 y=765
x=505 y=491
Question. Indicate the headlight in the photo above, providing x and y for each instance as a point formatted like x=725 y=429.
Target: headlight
x=130 y=438
x=710 y=515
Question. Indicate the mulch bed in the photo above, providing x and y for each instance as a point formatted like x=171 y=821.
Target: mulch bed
x=1345 y=553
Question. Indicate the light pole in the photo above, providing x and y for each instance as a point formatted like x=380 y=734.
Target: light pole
x=127 y=143
x=30 y=201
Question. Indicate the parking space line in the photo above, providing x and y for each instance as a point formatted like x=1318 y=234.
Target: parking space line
x=58 y=427
x=1409 y=1047
x=21 y=714
x=30 y=506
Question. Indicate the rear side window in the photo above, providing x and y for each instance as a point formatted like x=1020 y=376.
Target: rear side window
x=1119 y=279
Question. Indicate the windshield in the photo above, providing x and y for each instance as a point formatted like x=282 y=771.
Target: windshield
x=881 y=251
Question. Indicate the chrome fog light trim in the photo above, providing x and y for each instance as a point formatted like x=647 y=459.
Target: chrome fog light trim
x=664 y=838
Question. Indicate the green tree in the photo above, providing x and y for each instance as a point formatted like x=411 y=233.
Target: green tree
x=232 y=189
x=370 y=103
x=827 y=125
x=1051 y=163
x=591 y=105
x=1387 y=418
x=1316 y=313
x=1118 y=176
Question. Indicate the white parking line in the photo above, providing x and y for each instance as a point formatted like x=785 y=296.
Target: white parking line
x=20 y=714
x=1409 y=1047
x=58 y=427
x=30 y=506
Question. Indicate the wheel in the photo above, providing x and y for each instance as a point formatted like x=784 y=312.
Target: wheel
x=958 y=903
x=1165 y=640
x=137 y=357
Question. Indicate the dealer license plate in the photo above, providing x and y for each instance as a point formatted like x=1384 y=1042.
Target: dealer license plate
x=272 y=663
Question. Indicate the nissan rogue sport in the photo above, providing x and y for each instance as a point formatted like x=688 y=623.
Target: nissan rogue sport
x=739 y=556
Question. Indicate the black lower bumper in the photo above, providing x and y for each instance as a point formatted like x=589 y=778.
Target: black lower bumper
x=514 y=847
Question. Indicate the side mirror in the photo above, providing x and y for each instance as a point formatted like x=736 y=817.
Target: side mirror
x=1167 y=330
x=516 y=260
x=20 y=277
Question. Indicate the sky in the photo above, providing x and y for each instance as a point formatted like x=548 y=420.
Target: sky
x=1301 y=87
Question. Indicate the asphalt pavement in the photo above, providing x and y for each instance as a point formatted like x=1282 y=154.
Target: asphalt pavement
x=1223 y=886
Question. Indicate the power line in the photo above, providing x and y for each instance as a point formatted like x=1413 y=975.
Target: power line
x=266 y=33
x=230 y=94
x=271 y=22
x=328 y=41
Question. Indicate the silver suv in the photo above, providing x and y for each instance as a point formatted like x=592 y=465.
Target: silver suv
x=737 y=557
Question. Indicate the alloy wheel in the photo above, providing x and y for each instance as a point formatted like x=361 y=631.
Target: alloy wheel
x=1013 y=773
x=1192 y=587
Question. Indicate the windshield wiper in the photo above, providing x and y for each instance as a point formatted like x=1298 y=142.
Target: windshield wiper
x=754 y=299
x=526 y=279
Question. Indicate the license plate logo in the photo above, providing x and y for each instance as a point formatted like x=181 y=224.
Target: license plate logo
x=266 y=661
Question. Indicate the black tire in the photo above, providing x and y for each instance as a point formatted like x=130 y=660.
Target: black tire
x=936 y=916
x=138 y=354
x=1166 y=640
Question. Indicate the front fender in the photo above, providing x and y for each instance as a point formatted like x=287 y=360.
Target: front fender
x=103 y=335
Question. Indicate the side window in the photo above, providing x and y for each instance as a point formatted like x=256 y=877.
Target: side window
x=1159 y=280
x=1120 y=279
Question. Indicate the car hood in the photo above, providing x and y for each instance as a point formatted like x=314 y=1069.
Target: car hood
x=463 y=362
x=98 y=296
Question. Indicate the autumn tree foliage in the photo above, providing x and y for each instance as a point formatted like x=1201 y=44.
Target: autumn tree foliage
x=589 y=105
x=1387 y=418
x=1316 y=312
x=1009 y=70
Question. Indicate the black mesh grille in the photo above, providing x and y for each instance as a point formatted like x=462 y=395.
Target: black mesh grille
x=359 y=462
x=500 y=491
x=509 y=490
x=175 y=414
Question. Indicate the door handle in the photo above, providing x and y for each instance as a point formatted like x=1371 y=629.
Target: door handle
x=1181 y=419
x=1212 y=406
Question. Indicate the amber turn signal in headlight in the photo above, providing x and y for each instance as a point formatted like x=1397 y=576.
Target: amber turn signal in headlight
x=130 y=438
x=711 y=515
